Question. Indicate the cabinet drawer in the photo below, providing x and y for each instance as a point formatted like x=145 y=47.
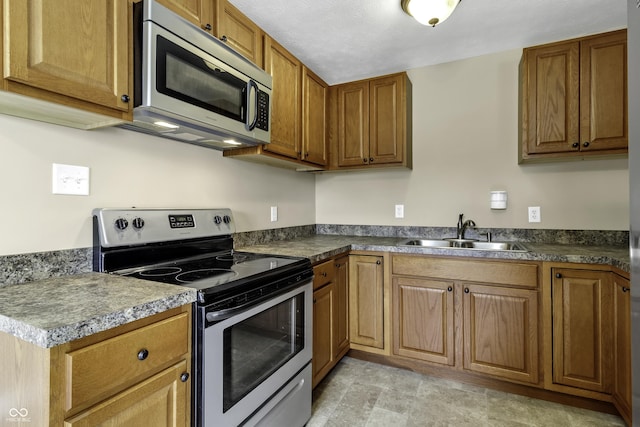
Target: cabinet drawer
x=495 y=272
x=323 y=274
x=100 y=370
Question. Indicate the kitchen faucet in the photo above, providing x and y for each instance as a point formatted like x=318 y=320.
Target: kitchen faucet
x=462 y=226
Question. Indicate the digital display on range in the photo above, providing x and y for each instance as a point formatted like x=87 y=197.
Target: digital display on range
x=181 y=221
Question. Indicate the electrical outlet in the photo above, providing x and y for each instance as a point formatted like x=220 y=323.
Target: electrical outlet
x=399 y=211
x=274 y=213
x=534 y=213
x=70 y=179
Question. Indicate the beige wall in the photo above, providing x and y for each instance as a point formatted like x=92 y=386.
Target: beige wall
x=465 y=134
x=465 y=144
x=129 y=169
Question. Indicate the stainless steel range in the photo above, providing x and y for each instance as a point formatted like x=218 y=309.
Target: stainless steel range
x=252 y=321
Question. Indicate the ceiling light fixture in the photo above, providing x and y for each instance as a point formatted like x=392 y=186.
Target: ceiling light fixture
x=429 y=12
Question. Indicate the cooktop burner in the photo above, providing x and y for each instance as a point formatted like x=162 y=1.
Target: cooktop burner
x=219 y=274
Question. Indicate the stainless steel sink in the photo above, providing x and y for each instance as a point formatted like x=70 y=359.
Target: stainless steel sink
x=465 y=244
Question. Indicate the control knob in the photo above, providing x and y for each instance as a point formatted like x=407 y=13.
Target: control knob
x=226 y=219
x=121 y=224
x=217 y=219
x=137 y=223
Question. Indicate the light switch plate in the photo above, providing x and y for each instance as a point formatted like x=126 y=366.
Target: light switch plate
x=274 y=213
x=70 y=179
x=399 y=211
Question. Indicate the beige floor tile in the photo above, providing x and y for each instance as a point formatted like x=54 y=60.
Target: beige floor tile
x=358 y=393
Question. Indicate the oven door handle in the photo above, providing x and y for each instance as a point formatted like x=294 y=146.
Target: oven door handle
x=220 y=315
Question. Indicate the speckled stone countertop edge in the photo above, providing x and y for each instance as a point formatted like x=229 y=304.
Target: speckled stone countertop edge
x=47 y=333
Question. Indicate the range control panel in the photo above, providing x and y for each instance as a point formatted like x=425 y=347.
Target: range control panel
x=124 y=227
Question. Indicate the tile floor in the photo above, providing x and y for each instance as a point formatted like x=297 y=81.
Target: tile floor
x=359 y=393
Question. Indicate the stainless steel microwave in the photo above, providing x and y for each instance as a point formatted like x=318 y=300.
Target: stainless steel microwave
x=191 y=87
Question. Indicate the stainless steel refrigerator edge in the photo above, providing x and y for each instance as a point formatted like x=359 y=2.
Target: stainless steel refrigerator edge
x=633 y=73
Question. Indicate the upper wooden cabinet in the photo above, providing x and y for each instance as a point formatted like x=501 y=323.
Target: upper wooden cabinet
x=372 y=125
x=574 y=98
x=286 y=71
x=299 y=114
x=239 y=32
x=69 y=52
x=199 y=12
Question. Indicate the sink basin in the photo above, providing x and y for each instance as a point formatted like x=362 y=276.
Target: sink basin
x=465 y=244
x=427 y=243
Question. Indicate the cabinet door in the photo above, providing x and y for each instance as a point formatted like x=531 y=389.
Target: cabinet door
x=323 y=326
x=603 y=92
x=386 y=120
x=552 y=98
x=341 y=320
x=366 y=304
x=622 y=347
x=239 y=32
x=501 y=332
x=198 y=12
x=286 y=99
x=78 y=49
x=353 y=124
x=423 y=319
x=315 y=104
x=161 y=401
x=582 y=329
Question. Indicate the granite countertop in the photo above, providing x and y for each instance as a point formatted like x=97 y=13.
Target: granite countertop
x=58 y=310
x=55 y=311
x=320 y=247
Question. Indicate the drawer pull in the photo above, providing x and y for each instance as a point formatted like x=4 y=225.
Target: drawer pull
x=143 y=354
x=625 y=289
x=449 y=289
x=184 y=377
x=324 y=274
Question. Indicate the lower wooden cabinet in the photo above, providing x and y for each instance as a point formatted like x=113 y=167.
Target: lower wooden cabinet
x=622 y=346
x=366 y=300
x=501 y=332
x=423 y=325
x=330 y=316
x=582 y=329
x=132 y=375
x=488 y=308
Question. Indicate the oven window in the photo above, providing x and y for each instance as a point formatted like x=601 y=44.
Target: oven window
x=259 y=345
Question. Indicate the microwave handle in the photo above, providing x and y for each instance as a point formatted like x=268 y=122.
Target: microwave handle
x=252 y=84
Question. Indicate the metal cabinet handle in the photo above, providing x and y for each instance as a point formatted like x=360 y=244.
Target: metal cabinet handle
x=364 y=160
x=223 y=38
x=625 y=289
x=558 y=276
x=143 y=354
x=466 y=290
x=324 y=274
x=449 y=289
x=378 y=262
x=124 y=98
x=184 y=377
x=585 y=144
x=575 y=145
x=370 y=159
x=314 y=300
x=207 y=27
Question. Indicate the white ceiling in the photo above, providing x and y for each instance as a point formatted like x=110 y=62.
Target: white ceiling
x=346 y=40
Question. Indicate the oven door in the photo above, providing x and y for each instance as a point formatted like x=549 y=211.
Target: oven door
x=249 y=357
